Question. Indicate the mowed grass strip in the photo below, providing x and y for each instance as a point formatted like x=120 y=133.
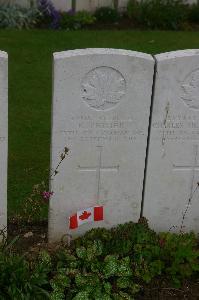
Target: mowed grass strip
x=30 y=85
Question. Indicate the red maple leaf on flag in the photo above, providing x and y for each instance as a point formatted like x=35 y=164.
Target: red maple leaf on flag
x=85 y=215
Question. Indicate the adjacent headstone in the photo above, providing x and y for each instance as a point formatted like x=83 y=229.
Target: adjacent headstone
x=3 y=138
x=92 y=5
x=62 y=5
x=172 y=191
x=101 y=107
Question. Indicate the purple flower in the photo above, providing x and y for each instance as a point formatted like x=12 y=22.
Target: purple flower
x=46 y=195
x=47 y=8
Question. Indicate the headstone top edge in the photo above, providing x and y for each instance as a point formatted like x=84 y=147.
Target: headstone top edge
x=3 y=54
x=176 y=54
x=98 y=51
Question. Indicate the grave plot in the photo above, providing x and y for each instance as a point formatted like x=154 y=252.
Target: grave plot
x=101 y=107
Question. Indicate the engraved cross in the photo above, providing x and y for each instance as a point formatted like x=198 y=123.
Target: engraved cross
x=193 y=167
x=98 y=168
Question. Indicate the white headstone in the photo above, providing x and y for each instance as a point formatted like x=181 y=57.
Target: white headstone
x=173 y=161
x=62 y=5
x=101 y=106
x=3 y=138
x=92 y=5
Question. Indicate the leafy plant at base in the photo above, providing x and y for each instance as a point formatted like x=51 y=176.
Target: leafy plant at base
x=180 y=256
x=20 y=280
x=94 y=276
x=103 y=264
x=121 y=258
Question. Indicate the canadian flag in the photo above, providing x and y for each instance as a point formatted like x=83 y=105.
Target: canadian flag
x=91 y=214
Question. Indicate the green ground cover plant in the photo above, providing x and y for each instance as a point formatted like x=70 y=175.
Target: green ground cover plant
x=103 y=264
x=20 y=278
x=30 y=85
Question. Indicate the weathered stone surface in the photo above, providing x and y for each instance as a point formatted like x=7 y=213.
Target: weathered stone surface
x=3 y=137
x=173 y=161
x=101 y=106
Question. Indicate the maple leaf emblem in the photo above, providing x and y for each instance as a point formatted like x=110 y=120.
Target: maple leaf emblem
x=85 y=215
x=190 y=90
x=103 y=88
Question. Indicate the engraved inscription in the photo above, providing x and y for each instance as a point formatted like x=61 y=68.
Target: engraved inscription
x=103 y=88
x=190 y=90
x=178 y=127
x=102 y=129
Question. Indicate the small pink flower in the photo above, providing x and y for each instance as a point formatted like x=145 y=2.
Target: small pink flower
x=46 y=195
x=162 y=242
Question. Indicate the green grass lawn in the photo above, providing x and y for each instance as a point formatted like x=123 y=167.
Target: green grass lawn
x=30 y=69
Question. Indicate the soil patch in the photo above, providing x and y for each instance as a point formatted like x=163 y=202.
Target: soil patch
x=29 y=235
